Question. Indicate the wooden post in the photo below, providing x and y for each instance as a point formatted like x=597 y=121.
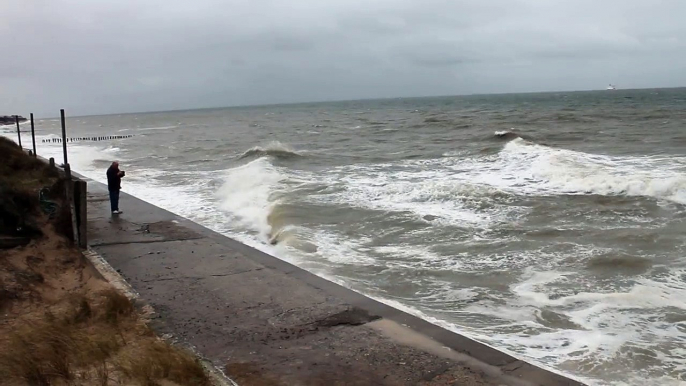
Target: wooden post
x=69 y=193
x=64 y=139
x=16 y=119
x=81 y=209
x=33 y=137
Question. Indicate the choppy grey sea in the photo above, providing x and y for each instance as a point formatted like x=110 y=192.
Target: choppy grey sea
x=547 y=225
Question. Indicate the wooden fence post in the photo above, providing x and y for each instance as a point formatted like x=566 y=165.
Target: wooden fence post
x=33 y=137
x=64 y=137
x=81 y=209
x=16 y=119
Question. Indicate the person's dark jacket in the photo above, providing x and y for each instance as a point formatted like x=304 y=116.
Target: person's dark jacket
x=113 y=179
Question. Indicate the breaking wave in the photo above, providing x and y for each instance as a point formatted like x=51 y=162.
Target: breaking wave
x=509 y=135
x=537 y=169
x=274 y=149
x=250 y=192
x=256 y=196
x=505 y=134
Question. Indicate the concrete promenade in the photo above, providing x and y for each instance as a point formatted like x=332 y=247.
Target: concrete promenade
x=266 y=322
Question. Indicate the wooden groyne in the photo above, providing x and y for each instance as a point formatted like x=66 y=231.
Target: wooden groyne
x=78 y=139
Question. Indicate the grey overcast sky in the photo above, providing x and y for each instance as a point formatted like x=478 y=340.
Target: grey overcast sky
x=106 y=56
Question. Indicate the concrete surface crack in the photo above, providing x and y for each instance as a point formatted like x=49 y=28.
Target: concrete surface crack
x=172 y=278
x=201 y=277
x=236 y=273
x=282 y=313
x=105 y=244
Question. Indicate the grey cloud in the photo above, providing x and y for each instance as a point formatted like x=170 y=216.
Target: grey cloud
x=109 y=56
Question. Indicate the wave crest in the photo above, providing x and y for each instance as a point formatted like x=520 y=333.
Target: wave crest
x=274 y=149
x=508 y=135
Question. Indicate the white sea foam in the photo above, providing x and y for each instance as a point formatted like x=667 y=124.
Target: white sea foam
x=527 y=168
x=610 y=324
x=335 y=248
x=427 y=193
x=474 y=191
x=250 y=192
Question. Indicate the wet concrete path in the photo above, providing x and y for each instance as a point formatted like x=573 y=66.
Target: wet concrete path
x=266 y=322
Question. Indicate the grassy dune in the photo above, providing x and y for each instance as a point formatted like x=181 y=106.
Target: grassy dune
x=60 y=322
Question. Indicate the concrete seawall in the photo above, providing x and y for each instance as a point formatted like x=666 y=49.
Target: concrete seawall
x=267 y=322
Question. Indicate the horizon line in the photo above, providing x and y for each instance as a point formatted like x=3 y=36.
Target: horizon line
x=360 y=100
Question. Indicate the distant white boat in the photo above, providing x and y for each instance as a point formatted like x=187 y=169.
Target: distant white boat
x=611 y=87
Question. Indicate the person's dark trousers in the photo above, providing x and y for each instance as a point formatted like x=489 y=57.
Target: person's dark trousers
x=114 y=200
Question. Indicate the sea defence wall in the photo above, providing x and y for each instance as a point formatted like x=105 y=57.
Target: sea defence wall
x=266 y=322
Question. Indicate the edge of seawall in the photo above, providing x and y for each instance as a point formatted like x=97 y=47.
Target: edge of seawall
x=238 y=305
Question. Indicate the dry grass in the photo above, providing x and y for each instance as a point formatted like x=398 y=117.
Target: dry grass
x=21 y=178
x=22 y=171
x=159 y=360
x=116 y=306
x=93 y=342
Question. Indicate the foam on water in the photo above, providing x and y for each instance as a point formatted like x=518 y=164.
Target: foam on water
x=433 y=194
x=528 y=168
x=603 y=327
x=477 y=191
x=335 y=248
x=414 y=257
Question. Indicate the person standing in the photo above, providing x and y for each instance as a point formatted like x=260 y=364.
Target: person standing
x=114 y=176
